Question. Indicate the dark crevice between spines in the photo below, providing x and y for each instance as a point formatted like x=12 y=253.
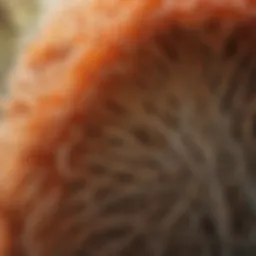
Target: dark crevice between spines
x=142 y=136
x=111 y=235
x=126 y=205
x=115 y=107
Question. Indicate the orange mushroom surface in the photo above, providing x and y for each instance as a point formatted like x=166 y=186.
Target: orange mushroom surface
x=129 y=129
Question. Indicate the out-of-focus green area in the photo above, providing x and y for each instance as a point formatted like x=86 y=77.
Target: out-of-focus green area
x=16 y=17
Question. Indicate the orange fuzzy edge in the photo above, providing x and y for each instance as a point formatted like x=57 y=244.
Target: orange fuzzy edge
x=63 y=67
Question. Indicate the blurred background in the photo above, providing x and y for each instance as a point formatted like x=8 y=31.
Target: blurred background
x=17 y=17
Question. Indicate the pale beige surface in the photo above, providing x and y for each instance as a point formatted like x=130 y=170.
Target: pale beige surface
x=16 y=17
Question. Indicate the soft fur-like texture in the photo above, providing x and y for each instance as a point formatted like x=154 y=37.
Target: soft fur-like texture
x=130 y=130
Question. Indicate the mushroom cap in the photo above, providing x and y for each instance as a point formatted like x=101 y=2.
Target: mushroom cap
x=63 y=73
